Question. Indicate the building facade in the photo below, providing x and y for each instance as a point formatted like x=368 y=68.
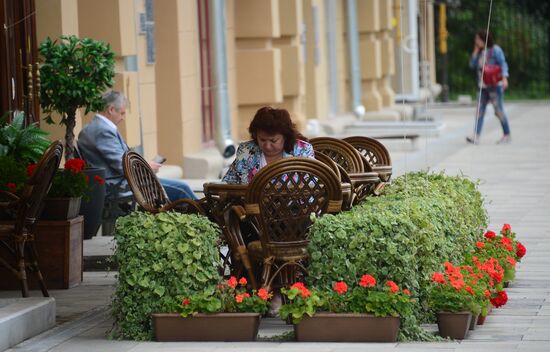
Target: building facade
x=196 y=71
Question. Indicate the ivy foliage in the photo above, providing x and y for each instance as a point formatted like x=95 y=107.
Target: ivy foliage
x=160 y=256
x=421 y=221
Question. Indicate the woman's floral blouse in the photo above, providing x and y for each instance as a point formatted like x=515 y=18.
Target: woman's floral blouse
x=249 y=154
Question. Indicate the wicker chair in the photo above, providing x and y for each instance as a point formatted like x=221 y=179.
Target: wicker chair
x=363 y=180
x=17 y=239
x=348 y=196
x=375 y=153
x=282 y=198
x=147 y=190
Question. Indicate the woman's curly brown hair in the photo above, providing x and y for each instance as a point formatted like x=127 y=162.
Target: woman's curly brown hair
x=273 y=121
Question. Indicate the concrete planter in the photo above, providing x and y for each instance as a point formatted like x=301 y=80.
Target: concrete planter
x=206 y=327
x=347 y=327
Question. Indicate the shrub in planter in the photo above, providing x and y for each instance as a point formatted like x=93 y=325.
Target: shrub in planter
x=160 y=256
x=421 y=221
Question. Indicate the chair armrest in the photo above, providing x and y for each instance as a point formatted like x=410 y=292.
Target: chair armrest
x=232 y=218
x=178 y=205
x=8 y=200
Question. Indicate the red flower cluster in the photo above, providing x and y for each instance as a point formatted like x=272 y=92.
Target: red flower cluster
x=304 y=292
x=12 y=187
x=99 y=180
x=75 y=165
x=30 y=169
x=500 y=299
x=367 y=281
x=340 y=287
x=240 y=297
x=232 y=282
x=520 y=250
x=393 y=286
x=263 y=294
x=490 y=235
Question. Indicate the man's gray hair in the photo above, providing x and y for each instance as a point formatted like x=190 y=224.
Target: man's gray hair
x=114 y=98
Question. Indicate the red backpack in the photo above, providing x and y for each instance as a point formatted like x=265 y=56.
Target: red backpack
x=492 y=73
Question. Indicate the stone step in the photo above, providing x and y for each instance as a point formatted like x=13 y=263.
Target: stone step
x=23 y=318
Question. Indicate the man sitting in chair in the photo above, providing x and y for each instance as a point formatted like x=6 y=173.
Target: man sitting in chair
x=101 y=145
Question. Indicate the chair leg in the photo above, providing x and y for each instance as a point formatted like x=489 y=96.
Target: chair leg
x=19 y=249
x=33 y=256
x=245 y=259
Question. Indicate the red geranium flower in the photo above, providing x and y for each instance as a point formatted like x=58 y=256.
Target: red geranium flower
x=30 y=169
x=12 y=187
x=480 y=245
x=263 y=294
x=304 y=292
x=490 y=235
x=99 y=180
x=500 y=299
x=76 y=165
x=520 y=250
x=243 y=281
x=393 y=286
x=439 y=278
x=185 y=302
x=232 y=282
x=340 y=287
x=367 y=281
x=406 y=291
x=506 y=228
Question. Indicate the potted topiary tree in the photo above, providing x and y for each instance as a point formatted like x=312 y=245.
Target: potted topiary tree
x=73 y=75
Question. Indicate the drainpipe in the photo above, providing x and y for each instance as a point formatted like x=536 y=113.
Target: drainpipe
x=330 y=11
x=222 y=114
x=354 y=66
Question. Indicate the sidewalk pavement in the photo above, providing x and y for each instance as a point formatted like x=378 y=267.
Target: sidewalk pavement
x=515 y=180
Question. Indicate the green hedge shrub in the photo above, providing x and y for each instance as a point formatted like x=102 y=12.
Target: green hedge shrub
x=160 y=256
x=421 y=221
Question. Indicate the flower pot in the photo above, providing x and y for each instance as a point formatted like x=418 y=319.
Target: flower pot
x=473 y=322
x=92 y=208
x=60 y=208
x=347 y=327
x=481 y=319
x=454 y=324
x=206 y=327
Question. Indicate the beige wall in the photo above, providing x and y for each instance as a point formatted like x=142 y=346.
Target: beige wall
x=276 y=55
x=316 y=62
x=53 y=19
x=258 y=62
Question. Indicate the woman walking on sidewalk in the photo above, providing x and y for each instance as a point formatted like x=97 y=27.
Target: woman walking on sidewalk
x=492 y=74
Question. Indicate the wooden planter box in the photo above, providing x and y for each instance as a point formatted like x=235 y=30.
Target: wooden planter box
x=206 y=327
x=59 y=247
x=347 y=327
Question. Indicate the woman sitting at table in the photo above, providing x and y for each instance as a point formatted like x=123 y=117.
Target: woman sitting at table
x=274 y=137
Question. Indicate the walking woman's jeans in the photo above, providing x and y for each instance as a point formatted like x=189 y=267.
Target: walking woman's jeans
x=177 y=189
x=495 y=96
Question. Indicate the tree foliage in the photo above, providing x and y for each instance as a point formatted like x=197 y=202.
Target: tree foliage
x=74 y=74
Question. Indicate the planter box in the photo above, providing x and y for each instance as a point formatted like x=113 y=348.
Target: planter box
x=454 y=324
x=60 y=208
x=59 y=247
x=206 y=327
x=344 y=327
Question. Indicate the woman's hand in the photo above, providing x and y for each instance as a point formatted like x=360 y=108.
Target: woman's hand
x=505 y=82
x=155 y=166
